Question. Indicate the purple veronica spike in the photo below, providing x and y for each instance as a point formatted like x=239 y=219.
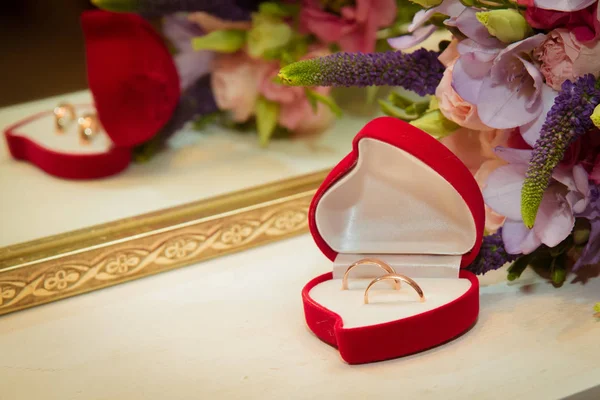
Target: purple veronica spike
x=492 y=255
x=567 y=120
x=420 y=71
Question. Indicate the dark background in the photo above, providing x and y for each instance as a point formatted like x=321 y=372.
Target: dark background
x=41 y=49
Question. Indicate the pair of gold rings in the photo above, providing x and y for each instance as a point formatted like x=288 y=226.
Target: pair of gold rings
x=391 y=275
x=64 y=115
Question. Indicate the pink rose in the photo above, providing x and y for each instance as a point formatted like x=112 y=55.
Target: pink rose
x=564 y=57
x=353 y=27
x=584 y=24
x=235 y=80
x=296 y=113
x=454 y=107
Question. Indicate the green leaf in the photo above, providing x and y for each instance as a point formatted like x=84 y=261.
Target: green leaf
x=311 y=99
x=397 y=112
x=278 y=10
x=372 y=93
x=434 y=123
x=517 y=268
x=267 y=114
x=117 y=5
x=224 y=41
x=267 y=35
x=201 y=122
x=559 y=269
x=326 y=100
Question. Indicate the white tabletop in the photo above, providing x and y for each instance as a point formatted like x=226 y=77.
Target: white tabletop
x=233 y=328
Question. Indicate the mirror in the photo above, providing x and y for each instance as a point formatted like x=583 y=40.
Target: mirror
x=195 y=165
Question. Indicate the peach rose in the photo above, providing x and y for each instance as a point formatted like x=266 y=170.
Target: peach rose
x=491 y=139
x=466 y=145
x=450 y=54
x=235 y=80
x=493 y=220
x=475 y=150
x=454 y=107
x=564 y=57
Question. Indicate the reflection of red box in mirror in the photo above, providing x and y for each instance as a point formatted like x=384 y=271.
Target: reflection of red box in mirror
x=34 y=140
x=135 y=87
x=403 y=198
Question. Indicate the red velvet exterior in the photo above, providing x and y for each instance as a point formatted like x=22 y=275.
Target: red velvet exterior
x=424 y=147
x=65 y=165
x=397 y=338
x=131 y=75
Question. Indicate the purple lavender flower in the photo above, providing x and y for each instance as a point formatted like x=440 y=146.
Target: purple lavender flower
x=492 y=255
x=231 y=10
x=567 y=120
x=420 y=71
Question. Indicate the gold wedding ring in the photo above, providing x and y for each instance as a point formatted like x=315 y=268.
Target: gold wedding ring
x=64 y=114
x=88 y=126
x=369 y=261
x=395 y=278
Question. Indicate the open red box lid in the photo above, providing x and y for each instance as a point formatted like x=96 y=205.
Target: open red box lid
x=402 y=197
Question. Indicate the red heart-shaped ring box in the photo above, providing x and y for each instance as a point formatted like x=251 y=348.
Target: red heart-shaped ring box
x=402 y=197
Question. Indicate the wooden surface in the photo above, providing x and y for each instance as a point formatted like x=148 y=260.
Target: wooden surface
x=233 y=328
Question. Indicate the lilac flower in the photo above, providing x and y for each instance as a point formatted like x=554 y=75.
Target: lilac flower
x=504 y=85
x=191 y=65
x=459 y=16
x=591 y=252
x=567 y=195
x=567 y=120
x=420 y=71
x=492 y=255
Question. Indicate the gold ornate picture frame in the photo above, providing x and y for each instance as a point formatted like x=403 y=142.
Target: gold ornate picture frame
x=65 y=265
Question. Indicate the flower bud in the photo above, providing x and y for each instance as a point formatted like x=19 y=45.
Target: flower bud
x=427 y=3
x=225 y=41
x=507 y=25
x=596 y=116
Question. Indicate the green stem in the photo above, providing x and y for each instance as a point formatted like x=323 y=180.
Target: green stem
x=517 y=268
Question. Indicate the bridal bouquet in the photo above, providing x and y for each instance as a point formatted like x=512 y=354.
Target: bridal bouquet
x=515 y=95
